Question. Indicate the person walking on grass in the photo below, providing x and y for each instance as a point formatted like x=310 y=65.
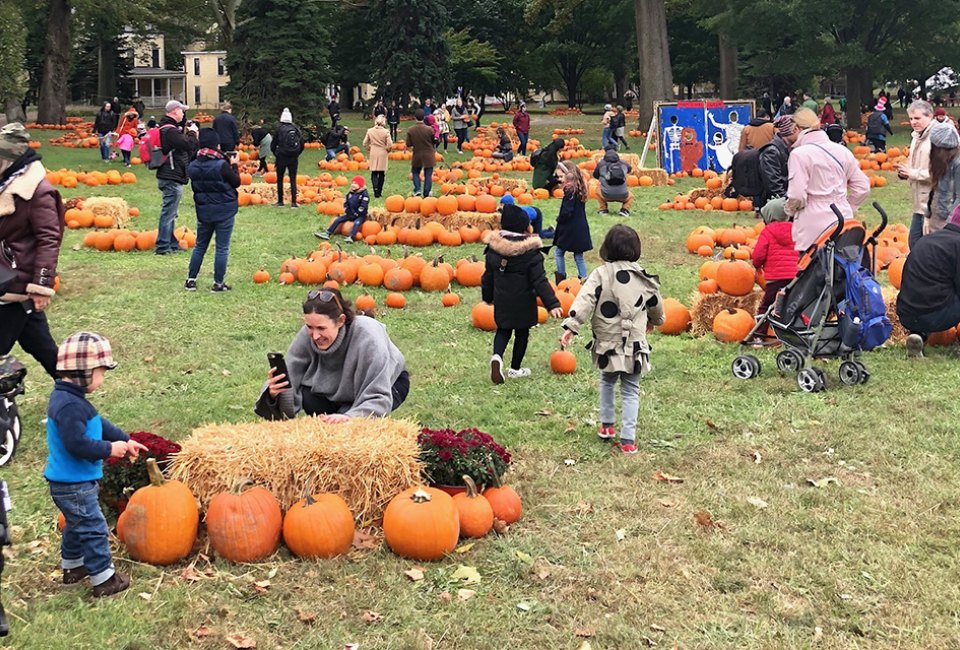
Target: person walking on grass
x=393 y=119
x=461 y=123
x=355 y=206
x=261 y=140
x=178 y=144
x=622 y=301
x=377 y=142
x=420 y=139
x=512 y=279
x=572 y=234
x=286 y=146
x=878 y=126
x=78 y=441
x=125 y=145
x=215 y=182
x=225 y=124
x=521 y=122
x=619 y=128
x=103 y=125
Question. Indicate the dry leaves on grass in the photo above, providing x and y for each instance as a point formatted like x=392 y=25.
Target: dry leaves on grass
x=705 y=520
x=465 y=594
x=585 y=632
x=467 y=574
x=370 y=616
x=757 y=502
x=307 y=618
x=240 y=641
x=415 y=574
x=200 y=633
x=663 y=477
x=364 y=541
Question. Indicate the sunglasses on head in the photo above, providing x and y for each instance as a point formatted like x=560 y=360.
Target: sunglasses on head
x=325 y=295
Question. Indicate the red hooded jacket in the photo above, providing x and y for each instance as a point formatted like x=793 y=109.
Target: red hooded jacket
x=774 y=253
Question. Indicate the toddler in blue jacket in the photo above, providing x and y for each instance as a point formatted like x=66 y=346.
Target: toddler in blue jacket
x=78 y=441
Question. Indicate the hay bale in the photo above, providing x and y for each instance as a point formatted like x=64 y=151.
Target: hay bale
x=899 y=334
x=705 y=306
x=659 y=176
x=508 y=184
x=112 y=206
x=367 y=461
x=482 y=220
x=267 y=191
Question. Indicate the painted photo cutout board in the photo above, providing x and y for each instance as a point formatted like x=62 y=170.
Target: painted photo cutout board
x=704 y=134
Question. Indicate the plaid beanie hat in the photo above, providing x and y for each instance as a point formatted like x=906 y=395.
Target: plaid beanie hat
x=85 y=351
x=14 y=141
x=513 y=218
x=784 y=125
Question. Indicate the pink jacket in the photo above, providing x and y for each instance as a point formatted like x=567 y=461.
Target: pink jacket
x=821 y=172
x=774 y=252
x=125 y=143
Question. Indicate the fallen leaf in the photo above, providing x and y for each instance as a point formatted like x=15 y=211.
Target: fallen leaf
x=668 y=503
x=273 y=573
x=621 y=534
x=650 y=642
x=145 y=595
x=756 y=457
x=370 y=616
x=584 y=507
x=226 y=373
x=585 y=646
x=523 y=607
x=713 y=425
x=704 y=519
x=241 y=642
x=500 y=526
x=351 y=646
x=542 y=569
x=363 y=541
x=468 y=574
x=415 y=574
x=201 y=632
x=822 y=482
x=817 y=633
x=523 y=557
x=757 y=502
x=569 y=462
x=571 y=426
x=464 y=548
x=544 y=413
x=149 y=359
x=845 y=596
x=584 y=632
x=306 y=617
x=189 y=574
x=465 y=594
x=445 y=596
x=657 y=628
x=666 y=478
x=261 y=586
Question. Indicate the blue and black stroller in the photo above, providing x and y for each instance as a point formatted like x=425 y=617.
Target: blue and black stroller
x=832 y=309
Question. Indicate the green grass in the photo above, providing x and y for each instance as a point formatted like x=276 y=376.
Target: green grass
x=870 y=561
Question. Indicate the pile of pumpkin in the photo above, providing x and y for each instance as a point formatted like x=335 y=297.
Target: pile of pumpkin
x=69 y=178
x=374 y=233
x=564 y=132
x=72 y=123
x=124 y=240
x=736 y=242
x=79 y=217
x=353 y=161
x=160 y=523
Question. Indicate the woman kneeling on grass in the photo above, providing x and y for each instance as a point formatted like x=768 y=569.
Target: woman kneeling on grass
x=624 y=301
x=341 y=365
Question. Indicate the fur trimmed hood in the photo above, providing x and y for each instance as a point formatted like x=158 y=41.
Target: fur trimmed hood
x=512 y=244
x=22 y=186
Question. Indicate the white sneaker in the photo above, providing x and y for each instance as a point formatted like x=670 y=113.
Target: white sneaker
x=518 y=374
x=496 y=369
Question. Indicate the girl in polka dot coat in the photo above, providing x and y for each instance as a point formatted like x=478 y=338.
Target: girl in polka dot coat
x=622 y=302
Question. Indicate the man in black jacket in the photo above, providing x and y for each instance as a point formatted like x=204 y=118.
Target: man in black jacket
x=336 y=141
x=287 y=145
x=773 y=160
x=103 y=125
x=929 y=299
x=334 y=108
x=179 y=144
x=225 y=124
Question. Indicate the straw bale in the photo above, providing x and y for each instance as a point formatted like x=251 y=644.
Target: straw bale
x=899 y=334
x=367 y=461
x=659 y=176
x=112 y=206
x=705 y=306
x=482 y=220
x=631 y=159
x=508 y=184
x=268 y=191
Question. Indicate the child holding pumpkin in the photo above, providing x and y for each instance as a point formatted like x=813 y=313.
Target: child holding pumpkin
x=78 y=441
x=355 y=205
x=623 y=302
x=512 y=279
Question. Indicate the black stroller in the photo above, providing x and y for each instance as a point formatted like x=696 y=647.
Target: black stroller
x=807 y=317
x=12 y=373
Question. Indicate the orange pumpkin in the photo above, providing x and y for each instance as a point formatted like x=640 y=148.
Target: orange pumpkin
x=366 y=304
x=396 y=300
x=676 y=317
x=261 y=276
x=481 y=317
x=319 y=526
x=421 y=523
x=732 y=325
x=450 y=299
x=735 y=277
x=474 y=511
x=504 y=500
x=563 y=362
x=244 y=525
x=895 y=271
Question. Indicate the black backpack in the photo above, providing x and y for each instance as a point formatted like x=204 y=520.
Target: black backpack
x=613 y=174
x=291 y=142
x=535 y=156
x=746 y=173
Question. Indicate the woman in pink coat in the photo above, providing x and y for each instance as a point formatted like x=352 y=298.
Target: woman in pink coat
x=820 y=172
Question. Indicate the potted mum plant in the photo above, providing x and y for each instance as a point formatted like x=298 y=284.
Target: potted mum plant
x=121 y=476
x=447 y=455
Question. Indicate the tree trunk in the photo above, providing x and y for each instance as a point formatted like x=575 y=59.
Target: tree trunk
x=225 y=12
x=728 y=68
x=620 y=85
x=857 y=77
x=14 y=111
x=106 y=71
x=653 y=49
x=52 y=104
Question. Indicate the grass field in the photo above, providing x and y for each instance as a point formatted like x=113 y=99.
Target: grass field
x=605 y=556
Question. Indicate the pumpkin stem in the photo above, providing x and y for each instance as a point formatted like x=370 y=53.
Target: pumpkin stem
x=420 y=496
x=309 y=501
x=241 y=485
x=493 y=473
x=153 y=471
x=471 y=486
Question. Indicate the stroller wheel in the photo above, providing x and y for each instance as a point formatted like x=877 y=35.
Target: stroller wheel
x=850 y=373
x=864 y=372
x=8 y=444
x=811 y=381
x=745 y=366
x=789 y=362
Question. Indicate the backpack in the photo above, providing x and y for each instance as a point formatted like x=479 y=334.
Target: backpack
x=291 y=142
x=613 y=174
x=875 y=123
x=746 y=173
x=864 y=324
x=535 y=156
x=157 y=158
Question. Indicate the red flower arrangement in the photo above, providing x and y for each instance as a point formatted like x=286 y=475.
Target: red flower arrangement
x=122 y=474
x=447 y=455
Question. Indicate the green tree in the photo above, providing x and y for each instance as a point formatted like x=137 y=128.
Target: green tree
x=410 y=54
x=653 y=50
x=473 y=64
x=693 y=49
x=287 y=68
x=13 y=45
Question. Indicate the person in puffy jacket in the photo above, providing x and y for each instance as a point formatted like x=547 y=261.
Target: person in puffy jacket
x=355 y=206
x=775 y=253
x=215 y=181
x=773 y=160
x=178 y=145
x=521 y=122
x=225 y=124
x=612 y=172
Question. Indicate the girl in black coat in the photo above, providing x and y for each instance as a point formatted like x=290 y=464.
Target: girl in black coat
x=573 y=232
x=512 y=280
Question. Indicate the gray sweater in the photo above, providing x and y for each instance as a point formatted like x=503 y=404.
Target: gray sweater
x=946 y=195
x=359 y=369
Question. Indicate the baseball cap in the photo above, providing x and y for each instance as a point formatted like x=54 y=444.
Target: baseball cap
x=173 y=105
x=85 y=351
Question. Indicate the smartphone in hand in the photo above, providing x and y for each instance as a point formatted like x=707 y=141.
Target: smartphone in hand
x=276 y=361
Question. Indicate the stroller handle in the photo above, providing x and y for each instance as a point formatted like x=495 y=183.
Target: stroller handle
x=836 y=211
x=883 y=222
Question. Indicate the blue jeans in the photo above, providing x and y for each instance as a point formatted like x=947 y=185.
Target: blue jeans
x=427 y=179
x=629 y=402
x=84 y=542
x=344 y=218
x=332 y=153
x=172 y=192
x=103 y=141
x=605 y=137
x=558 y=255
x=205 y=231
x=916 y=230
x=522 y=148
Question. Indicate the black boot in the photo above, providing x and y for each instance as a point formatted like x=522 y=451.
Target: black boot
x=559 y=277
